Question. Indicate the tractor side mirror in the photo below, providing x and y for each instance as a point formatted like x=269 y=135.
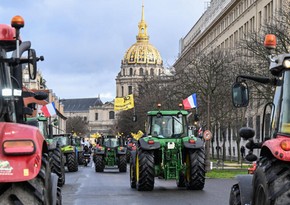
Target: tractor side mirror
x=240 y=94
x=40 y=95
x=246 y=133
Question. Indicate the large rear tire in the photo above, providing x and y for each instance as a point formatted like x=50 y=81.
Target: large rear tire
x=235 y=197
x=271 y=182
x=99 y=163
x=57 y=165
x=122 y=163
x=72 y=162
x=145 y=172
x=80 y=158
x=36 y=191
x=181 y=180
x=195 y=173
x=132 y=172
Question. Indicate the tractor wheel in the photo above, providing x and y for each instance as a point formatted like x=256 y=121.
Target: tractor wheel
x=132 y=172
x=80 y=158
x=72 y=163
x=122 y=163
x=57 y=165
x=195 y=172
x=235 y=197
x=99 y=163
x=181 y=180
x=35 y=191
x=59 y=196
x=271 y=182
x=145 y=172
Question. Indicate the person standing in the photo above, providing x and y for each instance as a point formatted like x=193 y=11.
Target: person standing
x=243 y=151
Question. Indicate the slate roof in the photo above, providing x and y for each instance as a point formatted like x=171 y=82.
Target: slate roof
x=80 y=104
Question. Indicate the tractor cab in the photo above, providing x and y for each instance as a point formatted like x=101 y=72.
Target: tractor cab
x=272 y=168
x=167 y=124
x=111 y=141
x=279 y=108
x=64 y=139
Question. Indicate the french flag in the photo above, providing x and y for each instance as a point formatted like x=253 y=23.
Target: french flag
x=190 y=102
x=49 y=110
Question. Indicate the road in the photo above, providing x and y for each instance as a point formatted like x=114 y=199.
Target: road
x=113 y=188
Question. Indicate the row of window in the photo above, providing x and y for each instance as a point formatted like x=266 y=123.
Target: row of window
x=111 y=116
x=249 y=26
x=139 y=71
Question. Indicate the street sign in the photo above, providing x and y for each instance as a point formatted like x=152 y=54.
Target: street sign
x=207 y=135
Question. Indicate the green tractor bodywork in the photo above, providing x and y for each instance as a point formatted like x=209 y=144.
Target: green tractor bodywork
x=169 y=151
x=54 y=150
x=68 y=148
x=111 y=152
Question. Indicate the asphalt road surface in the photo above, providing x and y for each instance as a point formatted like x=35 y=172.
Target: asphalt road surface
x=87 y=187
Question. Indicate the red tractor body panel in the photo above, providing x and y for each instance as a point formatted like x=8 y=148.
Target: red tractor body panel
x=7 y=33
x=274 y=145
x=20 y=166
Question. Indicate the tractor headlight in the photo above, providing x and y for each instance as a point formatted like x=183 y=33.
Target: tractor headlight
x=7 y=92
x=286 y=63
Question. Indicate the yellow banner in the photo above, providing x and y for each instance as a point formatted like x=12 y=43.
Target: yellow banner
x=138 y=135
x=124 y=103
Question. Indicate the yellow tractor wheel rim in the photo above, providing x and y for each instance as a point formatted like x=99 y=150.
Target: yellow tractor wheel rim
x=137 y=168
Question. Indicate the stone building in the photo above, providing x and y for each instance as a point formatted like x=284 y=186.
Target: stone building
x=141 y=60
x=221 y=26
x=38 y=84
x=99 y=116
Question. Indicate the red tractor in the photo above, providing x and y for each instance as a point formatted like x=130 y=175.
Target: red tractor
x=269 y=183
x=25 y=172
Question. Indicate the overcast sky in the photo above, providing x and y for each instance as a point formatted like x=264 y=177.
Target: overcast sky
x=84 y=41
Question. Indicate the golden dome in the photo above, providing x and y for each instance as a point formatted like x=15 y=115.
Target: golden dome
x=142 y=52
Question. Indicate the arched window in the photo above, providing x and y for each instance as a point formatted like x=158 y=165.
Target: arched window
x=152 y=71
x=131 y=71
x=130 y=89
x=111 y=115
x=141 y=71
x=124 y=72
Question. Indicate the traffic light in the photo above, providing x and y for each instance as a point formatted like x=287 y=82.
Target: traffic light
x=195 y=119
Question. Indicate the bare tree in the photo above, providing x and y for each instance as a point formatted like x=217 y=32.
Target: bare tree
x=77 y=125
x=210 y=75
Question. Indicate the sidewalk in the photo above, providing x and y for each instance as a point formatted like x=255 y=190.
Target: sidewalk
x=230 y=165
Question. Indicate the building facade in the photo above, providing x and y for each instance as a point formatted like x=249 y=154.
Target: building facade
x=38 y=84
x=222 y=26
x=141 y=60
x=99 y=116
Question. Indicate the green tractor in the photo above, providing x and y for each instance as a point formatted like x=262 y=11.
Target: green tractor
x=168 y=151
x=110 y=152
x=69 y=150
x=54 y=150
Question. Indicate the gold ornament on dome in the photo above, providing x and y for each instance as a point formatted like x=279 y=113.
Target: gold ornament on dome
x=142 y=52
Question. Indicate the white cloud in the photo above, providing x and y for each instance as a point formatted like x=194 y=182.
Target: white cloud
x=83 y=42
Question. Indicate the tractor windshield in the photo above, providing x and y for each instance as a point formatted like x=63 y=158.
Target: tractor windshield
x=62 y=141
x=284 y=125
x=111 y=142
x=42 y=125
x=166 y=126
